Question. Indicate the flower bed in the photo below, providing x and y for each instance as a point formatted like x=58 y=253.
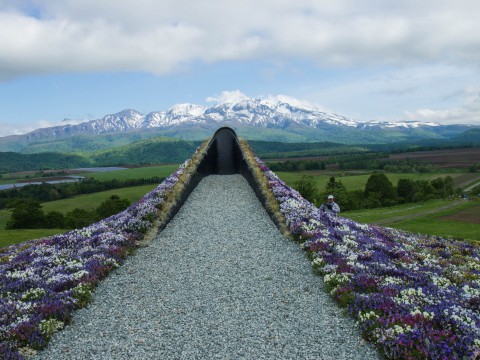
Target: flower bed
x=413 y=296
x=42 y=281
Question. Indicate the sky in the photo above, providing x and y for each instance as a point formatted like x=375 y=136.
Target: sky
x=368 y=60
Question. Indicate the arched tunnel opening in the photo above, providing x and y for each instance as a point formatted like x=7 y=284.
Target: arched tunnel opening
x=223 y=157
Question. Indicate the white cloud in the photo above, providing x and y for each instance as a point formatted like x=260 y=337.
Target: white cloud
x=164 y=36
x=227 y=97
x=295 y=102
x=19 y=128
x=238 y=96
x=467 y=113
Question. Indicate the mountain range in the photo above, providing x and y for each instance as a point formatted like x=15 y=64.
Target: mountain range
x=253 y=119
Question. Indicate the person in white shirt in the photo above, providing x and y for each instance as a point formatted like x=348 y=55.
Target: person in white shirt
x=330 y=207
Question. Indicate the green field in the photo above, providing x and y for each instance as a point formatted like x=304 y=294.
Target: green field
x=92 y=201
x=10 y=237
x=355 y=181
x=134 y=173
x=425 y=218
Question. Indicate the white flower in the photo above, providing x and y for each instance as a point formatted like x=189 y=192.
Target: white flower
x=391 y=280
x=427 y=315
x=337 y=278
x=50 y=326
x=440 y=281
x=32 y=294
x=367 y=315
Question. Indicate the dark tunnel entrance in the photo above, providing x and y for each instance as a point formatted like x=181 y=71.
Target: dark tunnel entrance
x=223 y=156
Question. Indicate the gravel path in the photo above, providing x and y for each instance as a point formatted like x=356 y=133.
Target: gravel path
x=219 y=282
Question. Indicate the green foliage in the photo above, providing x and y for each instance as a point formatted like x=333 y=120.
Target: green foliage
x=151 y=151
x=78 y=218
x=297 y=165
x=475 y=191
x=26 y=214
x=11 y=162
x=306 y=186
x=421 y=190
x=442 y=186
x=54 y=220
x=83 y=294
x=379 y=190
x=405 y=190
x=111 y=206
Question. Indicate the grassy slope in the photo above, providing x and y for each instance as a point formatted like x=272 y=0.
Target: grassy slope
x=418 y=219
x=135 y=173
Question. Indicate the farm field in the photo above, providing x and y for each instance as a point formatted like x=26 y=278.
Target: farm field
x=134 y=173
x=456 y=219
x=355 y=181
x=445 y=158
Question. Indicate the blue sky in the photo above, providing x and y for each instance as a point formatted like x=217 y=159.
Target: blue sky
x=369 y=60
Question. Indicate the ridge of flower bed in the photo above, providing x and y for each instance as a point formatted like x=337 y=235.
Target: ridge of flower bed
x=271 y=201
x=413 y=296
x=42 y=281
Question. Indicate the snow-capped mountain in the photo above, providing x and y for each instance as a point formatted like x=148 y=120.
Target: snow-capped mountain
x=288 y=120
x=248 y=111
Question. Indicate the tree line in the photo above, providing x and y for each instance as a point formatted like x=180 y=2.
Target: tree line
x=378 y=192
x=365 y=161
x=51 y=192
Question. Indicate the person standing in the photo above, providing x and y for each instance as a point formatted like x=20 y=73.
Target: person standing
x=330 y=207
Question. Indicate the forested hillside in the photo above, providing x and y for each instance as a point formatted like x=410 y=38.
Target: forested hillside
x=13 y=162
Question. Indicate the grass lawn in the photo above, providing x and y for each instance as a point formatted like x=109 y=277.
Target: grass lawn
x=432 y=224
x=381 y=214
x=418 y=220
x=134 y=173
x=10 y=237
x=92 y=201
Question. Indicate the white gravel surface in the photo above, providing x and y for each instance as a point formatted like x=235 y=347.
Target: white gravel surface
x=219 y=282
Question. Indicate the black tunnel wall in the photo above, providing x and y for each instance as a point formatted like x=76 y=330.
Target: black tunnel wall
x=223 y=157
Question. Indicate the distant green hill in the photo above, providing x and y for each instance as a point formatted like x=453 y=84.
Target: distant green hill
x=472 y=135
x=159 y=150
x=89 y=143
x=13 y=162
